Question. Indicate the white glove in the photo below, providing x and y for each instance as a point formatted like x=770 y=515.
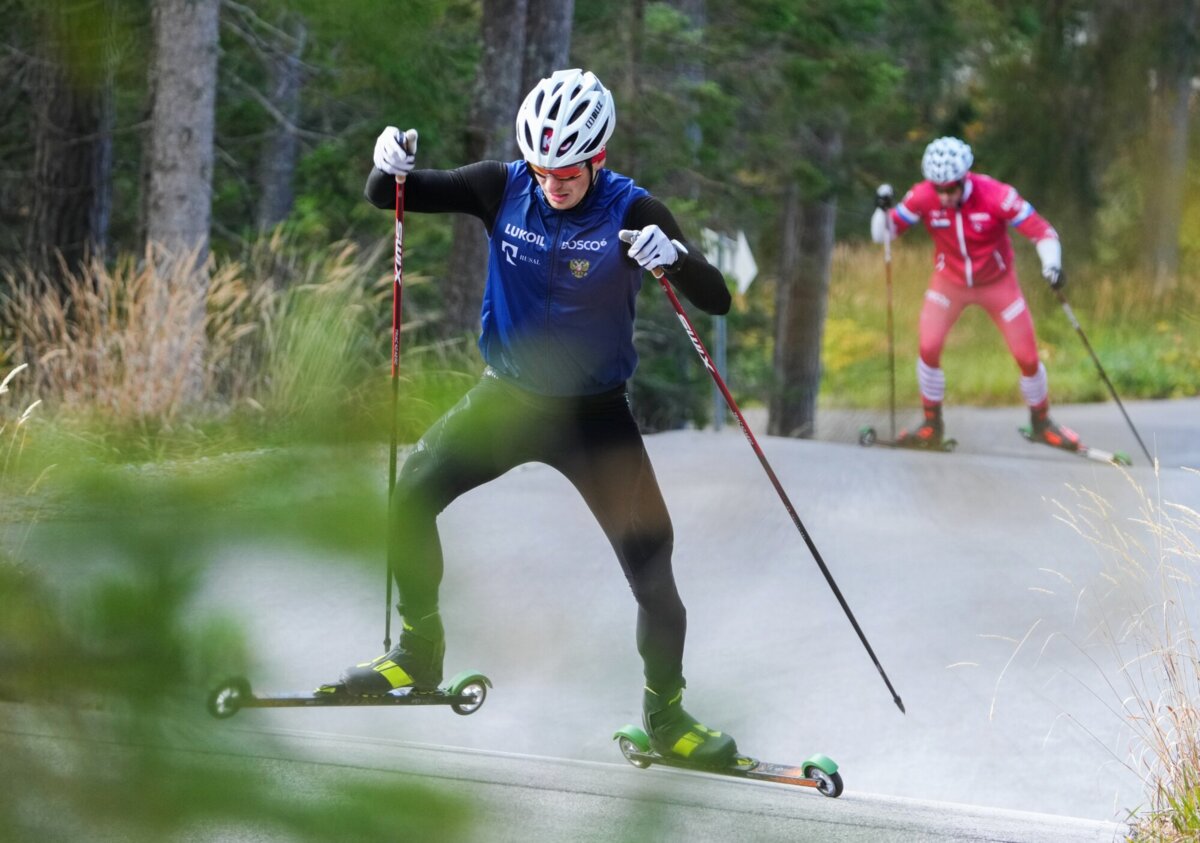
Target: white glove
x=651 y=248
x=881 y=226
x=1050 y=253
x=396 y=151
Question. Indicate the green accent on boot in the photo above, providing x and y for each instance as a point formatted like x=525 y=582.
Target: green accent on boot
x=673 y=731
x=395 y=675
x=415 y=661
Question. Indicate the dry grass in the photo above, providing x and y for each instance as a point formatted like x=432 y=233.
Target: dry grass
x=14 y=427
x=1146 y=596
x=114 y=341
x=279 y=331
x=18 y=487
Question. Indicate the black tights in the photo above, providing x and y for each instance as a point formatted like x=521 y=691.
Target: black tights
x=594 y=442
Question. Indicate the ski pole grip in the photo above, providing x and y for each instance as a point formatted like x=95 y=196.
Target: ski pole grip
x=626 y=235
x=409 y=139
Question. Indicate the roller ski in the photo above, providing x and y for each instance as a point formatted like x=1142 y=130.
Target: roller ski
x=867 y=437
x=818 y=772
x=464 y=694
x=928 y=436
x=1047 y=432
x=674 y=738
x=408 y=674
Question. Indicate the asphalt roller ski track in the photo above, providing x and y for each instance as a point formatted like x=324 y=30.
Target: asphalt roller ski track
x=973 y=589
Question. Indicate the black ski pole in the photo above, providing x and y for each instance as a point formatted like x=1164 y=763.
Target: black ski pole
x=1103 y=375
x=762 y=458
x=397 y=301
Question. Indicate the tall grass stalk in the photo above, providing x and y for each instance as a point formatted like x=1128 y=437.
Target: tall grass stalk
x=14 y=435
x=110 y=340
x=1150 y=610
x=13 y=431
x=286 y=335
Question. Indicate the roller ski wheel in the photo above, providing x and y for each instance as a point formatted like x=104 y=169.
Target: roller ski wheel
x=1079 y=449
x=226 y=699
x=868 y=437
x=819 y=772
x=473 y=690
x=828 y=784
x=635 y=746
x=464 y=694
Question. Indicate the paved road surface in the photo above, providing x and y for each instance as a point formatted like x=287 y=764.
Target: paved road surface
x=985 y=608
x=518 y=798
x=948 y=561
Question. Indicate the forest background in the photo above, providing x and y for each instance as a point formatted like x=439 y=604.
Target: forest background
x=191 y=283
x=241 y=133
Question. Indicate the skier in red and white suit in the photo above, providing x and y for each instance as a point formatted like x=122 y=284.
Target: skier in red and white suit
x=968 y=216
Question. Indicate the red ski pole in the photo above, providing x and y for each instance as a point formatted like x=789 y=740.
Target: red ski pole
x=397 y=309
x=762 y=458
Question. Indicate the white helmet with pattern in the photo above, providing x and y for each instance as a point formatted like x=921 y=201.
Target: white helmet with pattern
x=946 y=160
x=566 y=119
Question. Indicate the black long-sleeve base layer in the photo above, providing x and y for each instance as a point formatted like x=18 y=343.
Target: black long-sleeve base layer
x=477 y=189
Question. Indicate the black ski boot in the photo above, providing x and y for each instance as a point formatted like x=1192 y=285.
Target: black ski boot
x=929 y=435
x=674 y=732
x=416 y=661
x=1042 y=429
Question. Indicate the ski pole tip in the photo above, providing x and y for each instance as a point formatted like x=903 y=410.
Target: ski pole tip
x=899 y=704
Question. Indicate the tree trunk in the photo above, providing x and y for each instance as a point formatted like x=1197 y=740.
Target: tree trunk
x=691 y=71
x=184 y=80
x=801 y=301
x=277 y=165
x=489 y=134
x=630 y=129
x=69 y=105
x=179 y=201
x=1176 y=96
x=547 y=40
x=100 y=217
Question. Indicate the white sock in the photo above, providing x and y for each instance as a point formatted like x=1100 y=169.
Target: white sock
x=932 y=382
x=1035 y=388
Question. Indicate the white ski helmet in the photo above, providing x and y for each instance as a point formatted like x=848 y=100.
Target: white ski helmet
x=946 y=160
x=567 y=118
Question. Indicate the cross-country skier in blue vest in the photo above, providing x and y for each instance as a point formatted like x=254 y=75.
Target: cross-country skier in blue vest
x=557 y=340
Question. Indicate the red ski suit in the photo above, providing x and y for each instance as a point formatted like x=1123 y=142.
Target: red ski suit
x=973 y=261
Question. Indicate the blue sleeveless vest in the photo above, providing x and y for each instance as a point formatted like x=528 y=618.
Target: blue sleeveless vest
x=559 y=303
